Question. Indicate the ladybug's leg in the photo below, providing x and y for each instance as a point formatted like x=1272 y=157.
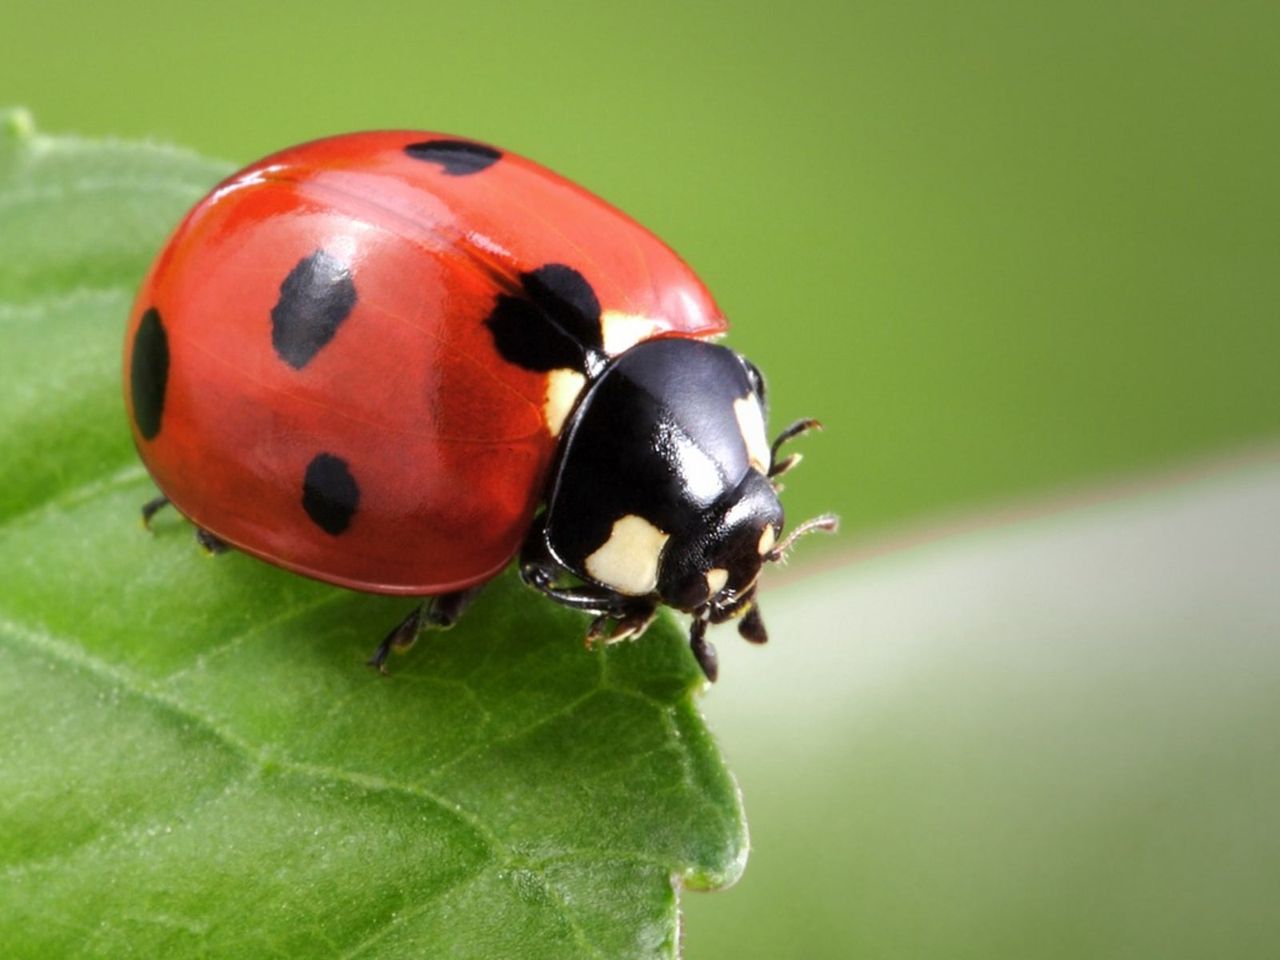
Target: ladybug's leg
x=211 y=544
x=702 y=649
x=799 y=428
x=401 y=637
x=443 y=611
x=610 y=627
x=152 y=507
x=617 y=616
x=751 y=626
x=747 y=612
x=588 y=599
x=540 y=570
x=440 y=612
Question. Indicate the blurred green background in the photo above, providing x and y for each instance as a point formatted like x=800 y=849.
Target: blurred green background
x=1000 y=249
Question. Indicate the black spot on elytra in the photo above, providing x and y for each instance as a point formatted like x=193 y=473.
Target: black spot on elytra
x=330 y=494
x=315 y=298
x=555 y=323
x=149 y=373
x=457 y=157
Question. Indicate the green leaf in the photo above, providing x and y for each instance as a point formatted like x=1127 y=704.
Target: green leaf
x=193 y=757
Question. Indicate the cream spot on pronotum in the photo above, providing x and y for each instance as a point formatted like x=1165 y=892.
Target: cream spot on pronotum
x=751 y=424
x=717 y=577
x=622 y=331
x=767 y=540
x=563 y=387
x=628 y=561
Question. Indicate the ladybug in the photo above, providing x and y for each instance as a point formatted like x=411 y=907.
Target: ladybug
x=393 y=361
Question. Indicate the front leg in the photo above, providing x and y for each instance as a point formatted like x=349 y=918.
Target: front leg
x=703 y=650
x=611 y=629
x=617 y=616
x=589 y=599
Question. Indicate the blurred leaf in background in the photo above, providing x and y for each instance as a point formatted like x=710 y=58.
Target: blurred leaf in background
x=1052 y=738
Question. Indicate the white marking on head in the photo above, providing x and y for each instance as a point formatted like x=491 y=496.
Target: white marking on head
x=767 y=539
x=751 y=424
x=622 y=331
x=717 y=577
x=563 y=387
x=628 y=561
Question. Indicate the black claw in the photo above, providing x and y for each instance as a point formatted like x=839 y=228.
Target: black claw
x=751 y=627
x=703 y=651
x=400 y=638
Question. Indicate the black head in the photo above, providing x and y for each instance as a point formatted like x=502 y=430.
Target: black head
x=665 y=491
x=713 y=567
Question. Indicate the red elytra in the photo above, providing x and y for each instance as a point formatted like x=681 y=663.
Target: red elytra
x=450 y=443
